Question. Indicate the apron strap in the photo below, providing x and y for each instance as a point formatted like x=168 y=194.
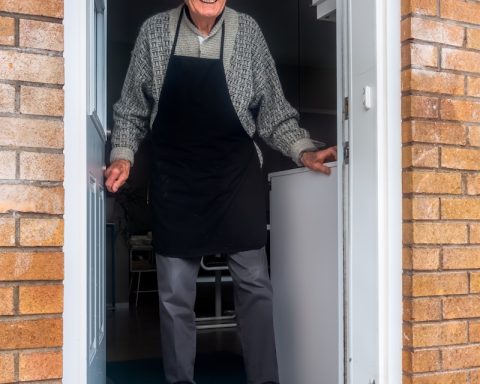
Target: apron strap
x=177 y=33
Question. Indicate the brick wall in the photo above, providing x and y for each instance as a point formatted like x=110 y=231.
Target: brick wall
x=441 y=160
x=31 y=190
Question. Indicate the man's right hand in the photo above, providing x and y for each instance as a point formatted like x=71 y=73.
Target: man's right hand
x=117 y=174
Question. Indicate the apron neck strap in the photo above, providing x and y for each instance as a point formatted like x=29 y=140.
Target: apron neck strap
x=177 y=33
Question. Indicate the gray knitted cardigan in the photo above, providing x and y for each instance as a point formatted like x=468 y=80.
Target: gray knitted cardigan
x=252 y=80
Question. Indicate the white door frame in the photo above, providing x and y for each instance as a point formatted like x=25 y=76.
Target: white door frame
x=388 y=155
x=389 y=166
x=75 y=247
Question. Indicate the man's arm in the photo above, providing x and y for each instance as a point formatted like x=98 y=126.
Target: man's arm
x=131 y=113
x=277 y=120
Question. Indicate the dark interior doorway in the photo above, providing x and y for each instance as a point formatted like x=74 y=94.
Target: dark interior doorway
x=304 y=50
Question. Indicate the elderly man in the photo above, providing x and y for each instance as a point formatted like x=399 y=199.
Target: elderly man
x=202 y=79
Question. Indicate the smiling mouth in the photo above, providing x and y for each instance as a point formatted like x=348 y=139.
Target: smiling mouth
x=209 y=1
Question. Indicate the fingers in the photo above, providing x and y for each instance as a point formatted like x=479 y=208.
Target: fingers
x=315 y=160
x=117 y=174
x=119 y=182
x=112 y=173
x=319 y=167
x=330 y=153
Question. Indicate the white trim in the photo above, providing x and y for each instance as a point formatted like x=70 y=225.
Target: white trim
x=389 y=191
x=74 y=318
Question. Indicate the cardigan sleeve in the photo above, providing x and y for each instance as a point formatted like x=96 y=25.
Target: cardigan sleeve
x=131 y=114
x=276 y=119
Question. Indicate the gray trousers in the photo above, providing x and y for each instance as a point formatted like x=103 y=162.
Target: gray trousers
x=253 y=306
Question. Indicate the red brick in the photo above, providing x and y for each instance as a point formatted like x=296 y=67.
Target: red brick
x=420 y=106
x=432 y=81
x=460 y=10
x=15 y=65
x=433 y=31
x=461 y=258
x=7 y=368
x=41 y=232
x=40 y=366
x=473 y=38
x=474 y=135
x=432 y=182
x=437 y=334
x=437 y=132
x=460 y=110
x=41 y=333
x=461 y=307
x=420 y=55
x=24 y=266
x=438 y=284
x=8 y=161
x=7 y=98
x=428 y=309
x=7 y=31
x=423 y=208
x=33 y=133
x=473 y=184
x=461 y=357
x=7 y=232
x=31 y=199
x=460 y=60
x=422 y=7
x=42 y=35
x=51 y=8
x=420 y=155
x=461 y=158
x=474 y=233
x=475 y=377
x=41 y=299
x=41 y=166
x=474 y=282
x=460 y=209
x=441 y=378
x=425 y=259
x=6 y=301
x=41 y=101
x=473 y=86
x=474 y=332
x=426 y=361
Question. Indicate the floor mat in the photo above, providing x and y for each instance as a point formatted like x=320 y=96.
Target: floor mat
x=214 y=368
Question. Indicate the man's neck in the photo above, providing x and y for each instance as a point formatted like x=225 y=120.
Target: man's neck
x=203 y=24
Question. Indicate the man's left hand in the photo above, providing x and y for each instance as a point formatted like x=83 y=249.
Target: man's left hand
x=315 y=160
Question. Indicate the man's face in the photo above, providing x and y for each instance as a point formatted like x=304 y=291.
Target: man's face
x=206 y=8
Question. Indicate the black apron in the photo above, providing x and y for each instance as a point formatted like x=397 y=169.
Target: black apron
x=207 y=188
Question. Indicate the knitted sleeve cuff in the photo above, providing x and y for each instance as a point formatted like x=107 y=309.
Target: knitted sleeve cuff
x=299 y=147
x=122 y=153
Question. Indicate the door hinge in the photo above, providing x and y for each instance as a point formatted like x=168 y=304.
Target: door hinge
x=346 y=152
x=346 y=109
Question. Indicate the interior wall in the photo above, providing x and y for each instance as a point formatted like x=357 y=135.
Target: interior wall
x=304 y=50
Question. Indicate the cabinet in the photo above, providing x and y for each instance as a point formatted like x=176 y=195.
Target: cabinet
x=307 y=276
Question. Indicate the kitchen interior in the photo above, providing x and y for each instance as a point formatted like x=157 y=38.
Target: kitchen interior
x=302 y=40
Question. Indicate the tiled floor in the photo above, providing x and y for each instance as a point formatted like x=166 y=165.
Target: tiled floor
x=134 y=333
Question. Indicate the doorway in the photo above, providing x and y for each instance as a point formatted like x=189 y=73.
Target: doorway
x=309 y=80
x=374 y=23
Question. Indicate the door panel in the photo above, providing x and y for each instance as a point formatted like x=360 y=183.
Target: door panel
x=96 y=45
x=362 y=225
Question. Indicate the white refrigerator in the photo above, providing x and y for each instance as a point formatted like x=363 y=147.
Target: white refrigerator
x=306 y=275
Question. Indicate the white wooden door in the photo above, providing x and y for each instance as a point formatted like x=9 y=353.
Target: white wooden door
x=96 y=137
x=361 y=173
